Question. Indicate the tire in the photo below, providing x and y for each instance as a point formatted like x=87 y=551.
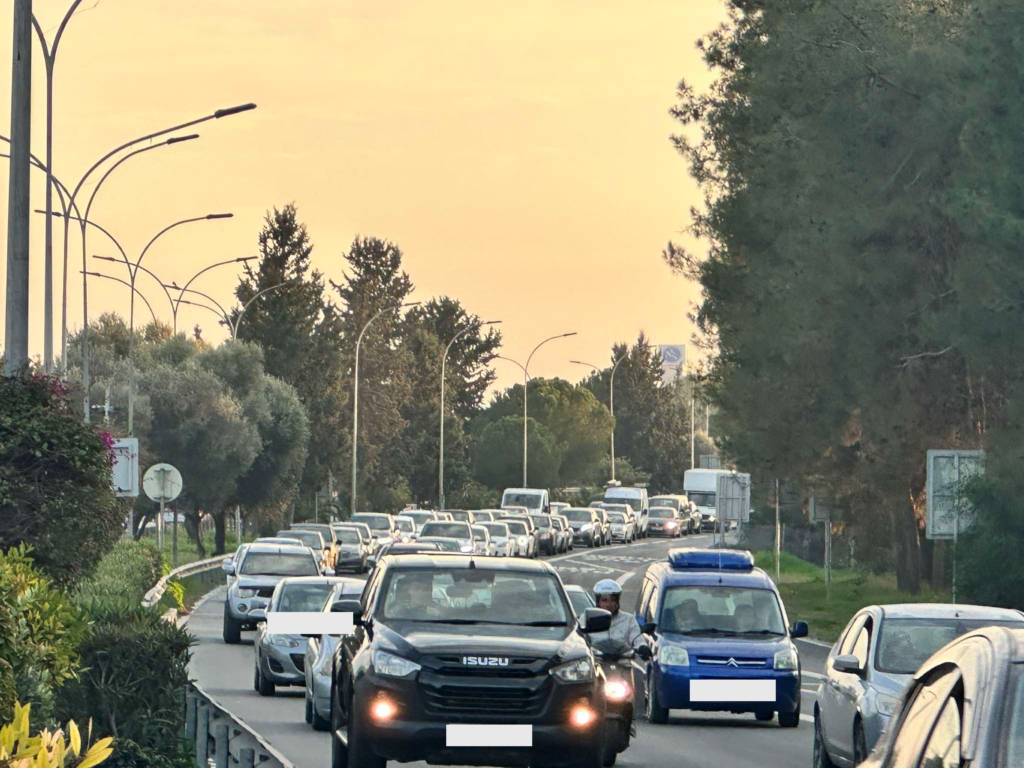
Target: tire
x=265 y=687
x=611 y=747
x=318 y=721
x=339 y=755
x=765 y=716
x=232 y=629
x=590 y=542
x=656 y=713
x=790 y=719
x=360 y=753
x=821 y=758
x=860 y=744
x=309 y=707
x=255 y=677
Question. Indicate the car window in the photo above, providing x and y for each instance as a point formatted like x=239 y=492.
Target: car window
x=926 y=703
x=1015 y=732
x=721 y=609
x=303 y=598
x=943 y=748
x=905 y=644
x=851 y=637
x=279 y=564
x=376 y=522
x=406 y=526
x=309 y=538
x=447 y=530
x=348 y=537
x=370 y=593
x=652 y=604
x=645 y=594
x=580 y=601
x=517 y=528
x=860 y=647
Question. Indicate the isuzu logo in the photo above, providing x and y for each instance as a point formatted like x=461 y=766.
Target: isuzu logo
x=484 y=661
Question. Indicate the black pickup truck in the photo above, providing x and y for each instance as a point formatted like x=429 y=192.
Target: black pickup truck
x=470 y=642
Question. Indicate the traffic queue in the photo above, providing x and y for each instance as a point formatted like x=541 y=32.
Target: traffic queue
x=458 y=629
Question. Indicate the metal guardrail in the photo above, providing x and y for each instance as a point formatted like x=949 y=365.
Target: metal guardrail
x=223 y=740
x=153 y=596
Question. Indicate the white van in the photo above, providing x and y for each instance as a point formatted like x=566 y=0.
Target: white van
x=534 y=499
x=701 y=487
x=637 y=499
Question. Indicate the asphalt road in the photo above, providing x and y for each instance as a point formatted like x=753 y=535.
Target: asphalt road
x=689 y=740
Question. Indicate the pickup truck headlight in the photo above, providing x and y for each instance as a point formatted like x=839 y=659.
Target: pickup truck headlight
x=673 y=656
x=787 y=659
x=245 y=594
x=579 y=671
x=393 y=666
x=886 y=705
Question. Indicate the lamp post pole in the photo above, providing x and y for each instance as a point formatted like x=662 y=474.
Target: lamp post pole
x=611 y=402
x=355 y=399
x=444 y=360
x=526 y=381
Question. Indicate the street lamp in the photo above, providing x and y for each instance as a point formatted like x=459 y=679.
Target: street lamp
x=526 y=381
x=125 y=282
x=611 y=401
x=444 y=360
x=355 y=398
x=200 y=272
x=223 y=312
x=238 y=320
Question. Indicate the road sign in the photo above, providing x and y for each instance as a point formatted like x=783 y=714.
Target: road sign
x=820 y=511
x=673 y=358
x=162 y=482
x=125 y=471
x=733 y=497
x=948 y=513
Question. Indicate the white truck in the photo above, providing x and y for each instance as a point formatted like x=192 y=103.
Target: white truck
x=701 y=487
x=535 y=500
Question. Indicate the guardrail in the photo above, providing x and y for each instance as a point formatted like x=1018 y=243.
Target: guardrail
x=153 y=596
x=223 y=740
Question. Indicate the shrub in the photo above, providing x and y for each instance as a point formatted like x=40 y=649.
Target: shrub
x=18 y=749
x=128 y=572
x=55 y=484
x=8 y=692
x=134 y=687
x=128 y=754
x=40 y=628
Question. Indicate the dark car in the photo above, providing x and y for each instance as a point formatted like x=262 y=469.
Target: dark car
x=447 y=640
x=964 y=707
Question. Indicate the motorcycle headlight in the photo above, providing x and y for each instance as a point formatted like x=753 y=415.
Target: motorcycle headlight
x=283 y=641
x=245 y=594
x=673 y=656
x=578 y=671
x=616 y=690
x=787 y=659
x=886 y=704
x=393 y=666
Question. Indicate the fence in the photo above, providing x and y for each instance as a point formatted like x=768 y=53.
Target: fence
x=223 y=740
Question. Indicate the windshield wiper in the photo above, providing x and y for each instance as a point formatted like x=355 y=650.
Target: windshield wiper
x=541 y=624
x=760 y=632
x=711 y=631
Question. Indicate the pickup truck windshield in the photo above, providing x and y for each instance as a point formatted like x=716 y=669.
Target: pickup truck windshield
x=303 y=598
x=577 y=515
x=279 y=564
x=721 y=611
x=447 y=530
x=376 y=522
x=528 y=500
x=473 y=597
x=663 y=501
x=702 y=498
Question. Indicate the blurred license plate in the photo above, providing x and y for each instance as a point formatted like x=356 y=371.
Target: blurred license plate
x=732 y=690
x=480 y=735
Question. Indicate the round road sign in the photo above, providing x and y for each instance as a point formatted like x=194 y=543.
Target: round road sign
x=162 y=482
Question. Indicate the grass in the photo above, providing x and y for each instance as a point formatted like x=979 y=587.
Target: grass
x=802 y=585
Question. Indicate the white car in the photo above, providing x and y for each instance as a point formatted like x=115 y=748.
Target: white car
x=419 y=517
x=405 y=529
x=502 y=539
x=525 y=543
x=482 y=544
x=623 y=528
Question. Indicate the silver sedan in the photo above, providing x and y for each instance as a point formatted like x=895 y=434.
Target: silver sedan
x=502 y=539
x=318 y=659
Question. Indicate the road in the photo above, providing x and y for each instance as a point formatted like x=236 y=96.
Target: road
x=690 y=740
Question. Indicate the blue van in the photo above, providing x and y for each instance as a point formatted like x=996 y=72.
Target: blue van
x=722 y=642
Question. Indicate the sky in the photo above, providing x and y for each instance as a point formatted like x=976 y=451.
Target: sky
x=518 y=153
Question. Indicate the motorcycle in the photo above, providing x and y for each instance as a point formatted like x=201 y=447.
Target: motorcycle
x=620 y=695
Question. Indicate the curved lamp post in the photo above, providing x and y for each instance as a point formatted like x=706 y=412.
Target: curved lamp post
x=444 y=360
x=611 y=401
x=526 y=369
x=355 y=398
x=132 y=287
x=238 y=320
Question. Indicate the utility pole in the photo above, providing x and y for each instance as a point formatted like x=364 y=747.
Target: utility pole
x=693 y=463
x=778 y=535
x=18 y=207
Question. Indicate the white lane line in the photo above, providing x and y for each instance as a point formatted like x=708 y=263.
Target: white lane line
x=807 y=718
x=812 y=675
x=625 y=577
x=814 y=642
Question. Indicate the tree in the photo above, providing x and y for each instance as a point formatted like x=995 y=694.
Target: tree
x=496 y=463
x=299 y=331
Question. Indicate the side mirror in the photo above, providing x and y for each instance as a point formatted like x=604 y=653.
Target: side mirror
x=349 y=606
x=649 y=628
x=645 y=652
x=847 y=663
x=799 y=630
x=258 y=614
x=228 y=567
x=327 y=570
x=595 y=620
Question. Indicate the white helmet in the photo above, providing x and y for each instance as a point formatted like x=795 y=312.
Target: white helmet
x=607 y=587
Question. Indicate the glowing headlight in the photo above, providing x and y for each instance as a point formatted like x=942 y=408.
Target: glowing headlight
x=577 y=671
x=673 y=656
x=284 y=641
x=886 y=704
x=670 y=524
x=393 y=666
x=787 y=659
x=246 y=593
x=616 y=690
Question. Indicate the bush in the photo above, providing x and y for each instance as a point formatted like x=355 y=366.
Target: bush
x=40 y=628
x=55 y=489
x=128 y=754
x=989 y=569
x=134 y=687
x=48 y=750
x=128 y=573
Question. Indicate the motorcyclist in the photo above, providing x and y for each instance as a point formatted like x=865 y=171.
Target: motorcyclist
x=624 y=634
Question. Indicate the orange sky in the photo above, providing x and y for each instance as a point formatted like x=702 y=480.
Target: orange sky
x=517 y=152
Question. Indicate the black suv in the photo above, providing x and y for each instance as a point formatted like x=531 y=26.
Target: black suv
x=445 y=640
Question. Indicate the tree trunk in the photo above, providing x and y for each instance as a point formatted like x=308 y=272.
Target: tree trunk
x=908 y=549
x=192 y=523
x=220 y=533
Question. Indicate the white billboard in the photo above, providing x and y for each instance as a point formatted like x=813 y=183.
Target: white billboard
x=673 y=358
x=125 y=470
x=733 y=497
x=948 y=513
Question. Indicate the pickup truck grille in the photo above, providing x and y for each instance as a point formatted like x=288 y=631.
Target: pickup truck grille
x=472 y=701
x=452 y=666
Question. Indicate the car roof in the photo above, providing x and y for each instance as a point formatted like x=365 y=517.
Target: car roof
x=575 y=588
x=947 y=611
x=452 y=561
x=310 y=580
x=310 y=526
x=283 y=549
x=671 y=577
x=374 y=514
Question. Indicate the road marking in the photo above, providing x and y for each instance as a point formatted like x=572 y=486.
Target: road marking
x=625 y=577
x=807 y=718
x=812 y=675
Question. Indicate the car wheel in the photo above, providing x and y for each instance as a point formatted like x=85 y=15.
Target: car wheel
x=309 y=708
x=860 y=744
x=265 y=687
x=339 y=755
x=656 y=713
x=232 y=628
x=821 y=758
x=765 y=716
x=590 y=543
x=360 y=750
x=255 y=677
x=594 y=756
x=318 y=721
x=790 y=719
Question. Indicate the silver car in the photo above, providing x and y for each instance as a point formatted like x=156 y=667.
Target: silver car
x=258 y=573
x=419 y=517
x=450 y=530
x=382 y=526
x=503 y=540
x=622 y=526
x=279 y=659
x=369 y=543
x=874 y=660
x=230 y=564
x=319 y=656
x=482 y=544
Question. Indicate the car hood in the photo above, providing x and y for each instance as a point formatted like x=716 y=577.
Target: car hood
x=727 y=646
x=413 y=639
x=576 y=525
x=889 y=683
x=348 y=549
x=706 y=511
